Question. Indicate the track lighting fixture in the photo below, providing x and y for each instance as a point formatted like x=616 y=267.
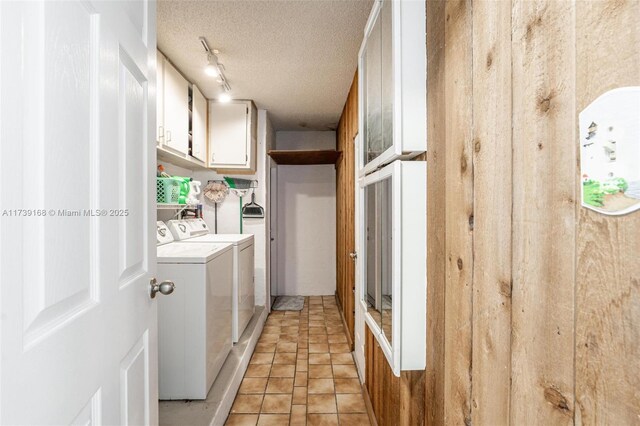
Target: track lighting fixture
x=216 y=70
x=212 y=66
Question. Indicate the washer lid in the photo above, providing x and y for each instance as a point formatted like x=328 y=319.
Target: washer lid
x=235 y=239
x=191 y=253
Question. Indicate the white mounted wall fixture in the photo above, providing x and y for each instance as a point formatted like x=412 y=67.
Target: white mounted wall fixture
x=394 y=259
x=392 y=84
x=610 y=152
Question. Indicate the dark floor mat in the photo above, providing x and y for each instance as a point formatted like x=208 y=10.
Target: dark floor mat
x=288 y=303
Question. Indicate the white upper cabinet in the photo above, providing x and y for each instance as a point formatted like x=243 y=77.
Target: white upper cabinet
x=193 y=132
x=232 y=135
x=199 y=125
x=392 y=84
x=176 y=110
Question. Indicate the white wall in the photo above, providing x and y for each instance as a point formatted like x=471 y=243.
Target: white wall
x=306 y=140
x=229 y=209
x=306 y=216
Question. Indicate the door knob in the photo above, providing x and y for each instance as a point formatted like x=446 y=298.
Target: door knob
x=353 y=255
x=165 y=287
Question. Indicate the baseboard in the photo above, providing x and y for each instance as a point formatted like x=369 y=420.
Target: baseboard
x=241 y=363
x=367 y=403
x=344 y=324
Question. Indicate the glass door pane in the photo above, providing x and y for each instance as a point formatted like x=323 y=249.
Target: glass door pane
x=373 y=94
x=386 y=70
x=379 y=254
x=372 y=273
x=385 y=209
x=378 y=86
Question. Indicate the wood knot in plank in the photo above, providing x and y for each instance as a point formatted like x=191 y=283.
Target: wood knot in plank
x=544 y=102
x=506 y=288
x=477 y=146
x=531 y=26
x=555 y=398
x=463 y=163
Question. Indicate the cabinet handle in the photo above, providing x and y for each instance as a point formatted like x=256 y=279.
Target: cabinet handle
x=168 y=135
x=160 y=131
x=213 y=158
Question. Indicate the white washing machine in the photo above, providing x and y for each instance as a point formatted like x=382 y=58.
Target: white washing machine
x=197 y=231
x=194 y=322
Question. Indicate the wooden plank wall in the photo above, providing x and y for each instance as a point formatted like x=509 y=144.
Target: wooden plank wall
x=436 y=221
x=345 y=204
x=533 y=301
x=607 y=303
x=492 y=212
x=458 y=210
x=396 y=401
x=543 y=230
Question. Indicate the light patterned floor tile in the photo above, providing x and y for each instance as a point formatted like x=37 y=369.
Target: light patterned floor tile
x=302 y=372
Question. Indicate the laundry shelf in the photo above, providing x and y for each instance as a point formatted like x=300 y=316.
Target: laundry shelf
x=299 y=157
x=163 y=206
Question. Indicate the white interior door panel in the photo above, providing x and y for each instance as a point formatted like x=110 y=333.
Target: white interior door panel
x=77 y=141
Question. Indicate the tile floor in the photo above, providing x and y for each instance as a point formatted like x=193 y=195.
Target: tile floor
x=302 y=372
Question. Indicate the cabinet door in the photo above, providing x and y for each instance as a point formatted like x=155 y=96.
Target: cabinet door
x=228 y=134
x=160 y=99
x=176 y=110
x=199 y=127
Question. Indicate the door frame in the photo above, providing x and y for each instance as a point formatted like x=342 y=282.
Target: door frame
x=359 y=321
x=273 y=234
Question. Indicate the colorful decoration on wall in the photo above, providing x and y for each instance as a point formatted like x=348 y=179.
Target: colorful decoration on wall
x=610 y=152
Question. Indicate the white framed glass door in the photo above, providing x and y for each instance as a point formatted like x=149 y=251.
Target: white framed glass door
x=392 y=85
x=391 y=232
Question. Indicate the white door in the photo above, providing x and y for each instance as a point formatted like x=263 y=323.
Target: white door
x=199 y=128
x=228 y=133
x=77 y=112
x=176 y=109
x=359 y=310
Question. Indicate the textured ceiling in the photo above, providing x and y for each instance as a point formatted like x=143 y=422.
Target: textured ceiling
x=295 y=59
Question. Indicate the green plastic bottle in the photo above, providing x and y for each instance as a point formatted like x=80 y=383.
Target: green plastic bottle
x=184 y=188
